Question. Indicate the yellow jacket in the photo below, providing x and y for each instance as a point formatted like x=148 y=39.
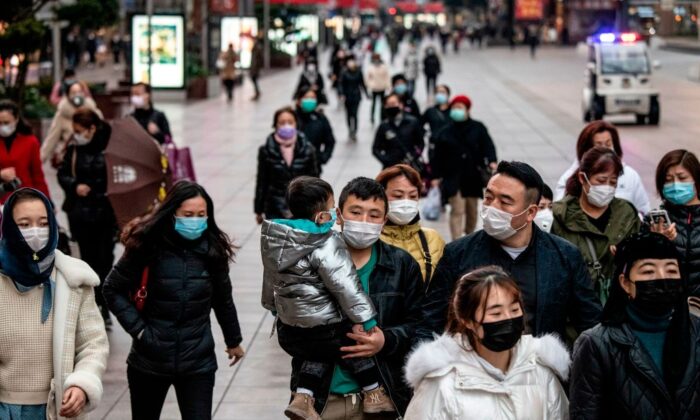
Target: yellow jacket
x=407 y=238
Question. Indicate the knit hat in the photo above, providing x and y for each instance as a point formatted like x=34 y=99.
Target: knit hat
x=461 y=99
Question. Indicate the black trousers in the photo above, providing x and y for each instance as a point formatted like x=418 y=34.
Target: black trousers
x=96 y=244
x=319 y=348
x=376 y=97
x=228 y=84
x=254 y=79
x=351 y=108
x=194 y=394
x=430 y=84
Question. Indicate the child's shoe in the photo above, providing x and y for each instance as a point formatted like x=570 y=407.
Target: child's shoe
x=376 y=401
x=302 y=408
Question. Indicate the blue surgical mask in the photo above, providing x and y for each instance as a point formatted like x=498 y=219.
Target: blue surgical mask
x=327 y=225
x=679 y=193
x=400 y=89
x=458 y=114
x=190 y=227
x=441 y=98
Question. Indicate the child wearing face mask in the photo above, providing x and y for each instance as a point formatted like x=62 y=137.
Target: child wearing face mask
x=311 y=285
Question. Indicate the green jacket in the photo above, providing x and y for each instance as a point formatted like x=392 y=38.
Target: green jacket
x=572 y=224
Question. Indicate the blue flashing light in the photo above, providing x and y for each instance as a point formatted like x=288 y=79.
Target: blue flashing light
x=607 y=37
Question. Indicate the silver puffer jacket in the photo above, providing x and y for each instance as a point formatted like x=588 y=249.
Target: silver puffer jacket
x=310 y=279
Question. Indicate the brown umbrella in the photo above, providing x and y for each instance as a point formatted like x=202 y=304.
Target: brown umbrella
x=137 y=171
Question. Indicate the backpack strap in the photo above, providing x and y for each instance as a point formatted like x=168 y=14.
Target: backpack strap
x=426 y=255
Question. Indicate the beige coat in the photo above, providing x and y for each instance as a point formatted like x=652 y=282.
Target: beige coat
x=61 y=130
x=228 y=59
x=378 y=78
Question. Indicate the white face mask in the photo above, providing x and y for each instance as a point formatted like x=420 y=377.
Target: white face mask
x=497 y=223
x=137 y=101
x=6 y=130
x=81 y=139
x=36 y=237
x=402 y=212
x=361 y=235
x=599 y=195
x=544 y=219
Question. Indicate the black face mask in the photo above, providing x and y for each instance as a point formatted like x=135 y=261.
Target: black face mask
x=392 y=111
x=657 y=297
x=502 y=335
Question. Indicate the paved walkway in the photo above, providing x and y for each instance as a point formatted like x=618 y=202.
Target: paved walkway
x=530 y=107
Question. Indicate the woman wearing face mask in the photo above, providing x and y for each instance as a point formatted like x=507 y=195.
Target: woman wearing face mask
x=351 y=88
x=378 y=81
x=677 y=180
x=285 y=155
x=315 y=126
x=403 y=230
x=482 y=366
x=54 y=346
x=591 y=218
x=438 y=115
x=629 y=185
x=642 y=360
x=184 y=256
x=151 y=119
x=545 y=217
x=19 y=153
x=311 y=79
x=83 y=177
x=464 y=153
x=61 y=131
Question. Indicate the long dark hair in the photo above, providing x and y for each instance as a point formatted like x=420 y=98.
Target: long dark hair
x=471 y=292
x=146 y=233
x=12 y=108
x=585 y=139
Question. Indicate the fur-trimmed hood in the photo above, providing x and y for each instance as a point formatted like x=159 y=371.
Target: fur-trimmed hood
x=439 y=357
x=76 y=273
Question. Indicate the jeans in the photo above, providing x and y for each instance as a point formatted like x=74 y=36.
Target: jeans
x=148 y=392
x=319 y=348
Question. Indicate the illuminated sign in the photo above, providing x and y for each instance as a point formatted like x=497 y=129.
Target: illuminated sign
x=240 y=32
x=167 y=56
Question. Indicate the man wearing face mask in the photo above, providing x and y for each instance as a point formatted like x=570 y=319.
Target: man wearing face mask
x=400 y=137
x=400 y=86
x=152 y=120
x=593 y=219
x=642 y=360
x=464 y=157
x=550 y=272
x=393 y=282
x=61 y=130
x=83 y=177
x=311 y=79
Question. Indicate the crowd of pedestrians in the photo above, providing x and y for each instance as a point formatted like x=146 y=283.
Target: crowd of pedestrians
x=581 y=303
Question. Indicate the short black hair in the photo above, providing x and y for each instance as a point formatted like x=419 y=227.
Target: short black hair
x=547 y=192
x=447 y=88
x=145 y=85
x=527 y=175
x=307 y=195
x=365 y=189
x=398 y=77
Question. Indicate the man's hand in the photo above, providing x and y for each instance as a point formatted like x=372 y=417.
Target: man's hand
x=73 y=402
x=368 y=344
x=235 y=354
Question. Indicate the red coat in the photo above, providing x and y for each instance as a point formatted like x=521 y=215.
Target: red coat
x=24 y=157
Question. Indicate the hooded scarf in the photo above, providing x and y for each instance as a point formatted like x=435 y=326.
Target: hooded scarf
x=18 y=261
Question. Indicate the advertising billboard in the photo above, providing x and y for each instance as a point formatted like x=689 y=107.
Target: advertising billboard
x=529 y=9
x=241 y=32
x=167 y=55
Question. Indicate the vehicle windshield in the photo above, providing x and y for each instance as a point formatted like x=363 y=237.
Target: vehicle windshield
x=623 y=59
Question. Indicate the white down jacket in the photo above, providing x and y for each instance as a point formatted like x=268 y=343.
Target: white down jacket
x=451 y=381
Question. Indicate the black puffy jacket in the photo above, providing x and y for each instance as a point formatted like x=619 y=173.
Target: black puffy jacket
x=183 y=288
x=398 y=143
x=274 y=175
x=687 y=220
x=86 y=165
x=396 y=289
x=318 y=132
x=613 y=377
